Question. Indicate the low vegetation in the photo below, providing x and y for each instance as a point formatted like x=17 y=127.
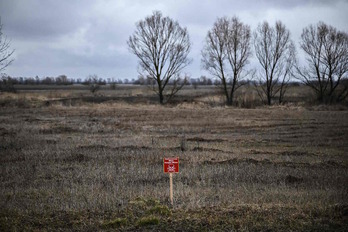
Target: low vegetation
x=73 y=161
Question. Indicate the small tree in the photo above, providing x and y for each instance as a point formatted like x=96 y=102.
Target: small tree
x=93 y=83
x=326 y=51
x=162 y=47
x=226 y=53
x=63 y=80
x=275 y=52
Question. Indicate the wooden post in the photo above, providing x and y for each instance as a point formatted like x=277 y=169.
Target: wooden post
x=171 y=188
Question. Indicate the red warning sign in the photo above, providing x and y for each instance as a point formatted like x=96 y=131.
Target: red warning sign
x=171 y=165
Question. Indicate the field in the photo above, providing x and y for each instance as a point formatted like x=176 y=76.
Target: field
x=73 y=161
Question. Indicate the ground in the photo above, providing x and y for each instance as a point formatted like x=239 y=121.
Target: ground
x=73 y=161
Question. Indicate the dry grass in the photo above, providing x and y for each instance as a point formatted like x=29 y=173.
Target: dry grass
x=96 y=166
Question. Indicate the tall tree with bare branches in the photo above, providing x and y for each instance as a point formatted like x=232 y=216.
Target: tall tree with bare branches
x=275 y=52
x=226 y=53
x=326 y=51
x=162 y=47
x=5 y=51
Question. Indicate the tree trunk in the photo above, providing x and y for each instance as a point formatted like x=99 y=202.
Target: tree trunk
x=229 y=101
x=232 y=89
x=160 y=92
x=161 y=98
x=281 y=94
x=269 y=97
x=226 y=91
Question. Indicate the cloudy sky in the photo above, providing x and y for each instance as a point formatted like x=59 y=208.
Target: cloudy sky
x=82 y=37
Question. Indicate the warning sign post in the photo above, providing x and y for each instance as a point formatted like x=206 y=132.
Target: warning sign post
x=171 y=165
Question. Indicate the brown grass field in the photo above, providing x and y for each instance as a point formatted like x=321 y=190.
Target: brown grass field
x=71 y=161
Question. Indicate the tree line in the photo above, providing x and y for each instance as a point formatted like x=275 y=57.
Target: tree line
x=162 y=47
x=8 y=83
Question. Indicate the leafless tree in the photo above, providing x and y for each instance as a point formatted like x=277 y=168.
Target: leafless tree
x=326 y=51
x=162 y=47
x=94 y=83
x=5 y=51
x=226 y=53
x=276 y=54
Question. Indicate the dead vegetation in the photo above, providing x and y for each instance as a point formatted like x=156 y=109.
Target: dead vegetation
x=98 y=166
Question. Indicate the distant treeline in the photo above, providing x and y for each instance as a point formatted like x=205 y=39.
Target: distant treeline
x=64 y=80
x=60 y=80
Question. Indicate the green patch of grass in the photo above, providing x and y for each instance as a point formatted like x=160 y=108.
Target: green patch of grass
x=219 y=218
x=138 y=202
x=148 y=221
x=115 y=223
x=160 y=210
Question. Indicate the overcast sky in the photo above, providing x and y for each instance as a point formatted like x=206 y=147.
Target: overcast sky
x=82 y=37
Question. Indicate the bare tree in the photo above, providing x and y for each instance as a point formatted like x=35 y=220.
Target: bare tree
x=326 y=51
x=226 y=53
x=276 y=53
x=288 y=70
x=94 y=83
x=5 y=52
x=162 y=47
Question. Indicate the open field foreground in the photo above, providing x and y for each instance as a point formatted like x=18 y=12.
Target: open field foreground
x=98 y=166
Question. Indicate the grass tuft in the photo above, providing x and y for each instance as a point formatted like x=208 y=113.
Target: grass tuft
x=148 y=221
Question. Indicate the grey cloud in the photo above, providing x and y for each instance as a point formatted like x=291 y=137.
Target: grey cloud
x=42 y=19
x=78 y=38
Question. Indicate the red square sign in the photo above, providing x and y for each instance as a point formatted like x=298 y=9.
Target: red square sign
x=171 y=165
